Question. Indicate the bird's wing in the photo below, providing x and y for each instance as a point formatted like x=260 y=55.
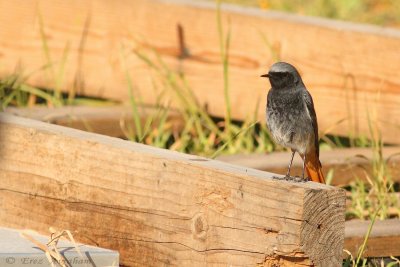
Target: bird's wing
x=311 y=111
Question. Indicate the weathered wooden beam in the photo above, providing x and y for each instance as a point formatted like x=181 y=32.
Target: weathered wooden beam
x=347 y=163
x=350 y=69
x=161 y=207
x=108 y=120
x=384 y=240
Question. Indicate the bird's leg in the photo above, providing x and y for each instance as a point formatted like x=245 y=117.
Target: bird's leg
x=304 y=167
x=297 y=178
x=287 y=177
x=290 y=165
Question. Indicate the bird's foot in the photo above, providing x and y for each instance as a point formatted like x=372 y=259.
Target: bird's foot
x=281 y=178
x=296 y=179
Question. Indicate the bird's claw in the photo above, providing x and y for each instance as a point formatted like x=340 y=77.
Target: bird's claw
x=279 y=178
x=296 y=179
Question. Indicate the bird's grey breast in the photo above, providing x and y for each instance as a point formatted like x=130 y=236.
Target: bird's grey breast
x=288 y=119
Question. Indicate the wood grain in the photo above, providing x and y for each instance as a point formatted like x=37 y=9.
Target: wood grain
x=350 y=69
x=384 y=240
x=158 y=207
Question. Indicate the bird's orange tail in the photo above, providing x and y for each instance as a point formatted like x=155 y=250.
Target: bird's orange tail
x=314 y=168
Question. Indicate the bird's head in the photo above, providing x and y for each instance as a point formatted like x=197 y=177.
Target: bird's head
x=283 y=75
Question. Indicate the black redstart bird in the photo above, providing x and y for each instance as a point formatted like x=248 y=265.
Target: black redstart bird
x=291 y=118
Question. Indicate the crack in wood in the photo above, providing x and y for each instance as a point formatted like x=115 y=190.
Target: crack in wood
x=111 y=207
x=184 y=245
x=288 y=218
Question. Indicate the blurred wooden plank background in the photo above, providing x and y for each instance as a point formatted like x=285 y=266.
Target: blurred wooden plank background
x=384 y=240
x=350 y=69
x=108 y=120
x=347 y=164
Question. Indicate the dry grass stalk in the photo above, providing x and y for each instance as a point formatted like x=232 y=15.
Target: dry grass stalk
x=51 y=250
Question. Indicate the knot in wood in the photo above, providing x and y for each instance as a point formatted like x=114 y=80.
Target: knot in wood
x=32 y=131
x=199 y=226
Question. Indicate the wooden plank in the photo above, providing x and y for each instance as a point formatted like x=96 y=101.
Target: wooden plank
x=384 y=240
x=102 y=120
x=158 y=207
x=345 y=162
x=350 y=69
x=108 y=120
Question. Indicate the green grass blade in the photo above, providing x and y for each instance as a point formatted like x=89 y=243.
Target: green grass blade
x=364 y=244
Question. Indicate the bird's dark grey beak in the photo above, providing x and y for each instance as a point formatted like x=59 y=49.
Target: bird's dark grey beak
x=265 y=75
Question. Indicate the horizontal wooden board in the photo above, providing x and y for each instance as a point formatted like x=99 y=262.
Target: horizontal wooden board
x=384 y=240
x=347 y=163
x=159 y=207
x=108 y=120
x=350 y=69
